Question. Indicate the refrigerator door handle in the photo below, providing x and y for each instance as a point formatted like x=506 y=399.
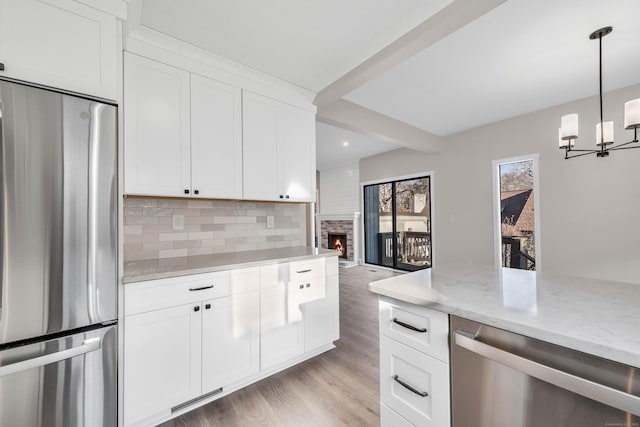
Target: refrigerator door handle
x=87 y=346
x=592 y=390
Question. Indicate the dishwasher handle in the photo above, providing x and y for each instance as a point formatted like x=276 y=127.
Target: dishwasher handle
x=590 y=389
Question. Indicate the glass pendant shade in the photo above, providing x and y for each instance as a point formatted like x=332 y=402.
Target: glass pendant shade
x=605 y=137
x=569 y=127
x=632 y=114
x=564 y=143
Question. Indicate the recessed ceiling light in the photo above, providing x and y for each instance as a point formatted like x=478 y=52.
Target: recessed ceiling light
x=345 y=144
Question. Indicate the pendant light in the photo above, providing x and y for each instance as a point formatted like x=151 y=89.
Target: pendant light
x=568 y=132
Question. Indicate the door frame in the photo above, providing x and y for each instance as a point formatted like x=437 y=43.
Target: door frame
x=431 y=175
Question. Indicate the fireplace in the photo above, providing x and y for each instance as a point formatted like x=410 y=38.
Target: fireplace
x=339 y=243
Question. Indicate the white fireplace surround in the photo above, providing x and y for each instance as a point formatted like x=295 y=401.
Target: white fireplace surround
x=355 y=218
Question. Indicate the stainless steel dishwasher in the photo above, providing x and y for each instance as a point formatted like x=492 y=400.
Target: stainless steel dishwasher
x=502 y=379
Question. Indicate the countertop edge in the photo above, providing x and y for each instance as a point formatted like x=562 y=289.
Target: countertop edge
x=607 y=352
x=187 y=271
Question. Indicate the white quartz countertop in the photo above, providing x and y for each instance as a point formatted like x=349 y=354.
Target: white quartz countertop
x=138 y=271
x=598 y=317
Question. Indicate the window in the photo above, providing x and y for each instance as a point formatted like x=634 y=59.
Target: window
x=516 y=215
x=397 y=223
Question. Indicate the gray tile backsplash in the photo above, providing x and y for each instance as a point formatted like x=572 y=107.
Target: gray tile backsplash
x=210 y=227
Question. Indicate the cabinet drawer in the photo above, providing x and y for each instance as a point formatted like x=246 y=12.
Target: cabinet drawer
x=418 y=327
x=307 y=269
x=156 y=294
x=390 y=418
x=414 y=384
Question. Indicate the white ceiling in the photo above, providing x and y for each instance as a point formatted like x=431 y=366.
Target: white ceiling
x=522 y=56
x=305 y=42
x=331 y=152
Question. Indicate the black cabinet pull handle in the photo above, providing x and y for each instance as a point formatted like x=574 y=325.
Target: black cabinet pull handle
x=408 y=387
x=1 y=66
x=196 y=191
x=196 y=308
x=303 y=271
x=301 y=286
x=308 y=285
x=202 y=288
x=281 y=196
x=207 y=306
x=186 y=191
x=286 y=197
x=406 y=325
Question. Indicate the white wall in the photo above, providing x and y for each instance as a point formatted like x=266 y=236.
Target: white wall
x=590 y=207
x=340 y=190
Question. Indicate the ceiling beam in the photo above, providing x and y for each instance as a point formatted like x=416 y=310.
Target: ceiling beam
x=353 y=117
x=448 y=20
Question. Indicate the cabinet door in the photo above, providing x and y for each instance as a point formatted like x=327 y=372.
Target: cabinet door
x=413 y=384
x=162 y=360
x=230 y=340
x=321 y=321
x=260 y=116
x=280 y=340
x=298 y=151
x=60 y=43
x=156 y=128
x=216 y=139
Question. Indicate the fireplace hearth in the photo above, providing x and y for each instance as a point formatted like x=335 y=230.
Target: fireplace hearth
x=338 y=242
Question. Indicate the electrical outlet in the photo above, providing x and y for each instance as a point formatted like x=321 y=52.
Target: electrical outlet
x=271 y=222
x=178 y=222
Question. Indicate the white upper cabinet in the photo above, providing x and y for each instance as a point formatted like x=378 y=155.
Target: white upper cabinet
x=298 y=151
x=156 y=128
x=260 y=147
x=278 y=150
x=60 y=43
x=186 y=135
x=216 y=139
x=183 y=133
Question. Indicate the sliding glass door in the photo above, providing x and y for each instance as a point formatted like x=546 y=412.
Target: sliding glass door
x=397 y=223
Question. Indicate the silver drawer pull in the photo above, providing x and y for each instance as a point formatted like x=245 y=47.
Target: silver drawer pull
x=408 y=387
x=202 y=288
x=304 y=271
x=408 y=326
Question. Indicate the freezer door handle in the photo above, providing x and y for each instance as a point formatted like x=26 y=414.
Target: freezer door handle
x=87 y=346
x=584 y=387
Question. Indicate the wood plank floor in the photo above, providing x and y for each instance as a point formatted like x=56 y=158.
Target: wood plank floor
x=339 y=387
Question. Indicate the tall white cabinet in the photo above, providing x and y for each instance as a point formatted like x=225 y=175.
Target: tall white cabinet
x=278 y=150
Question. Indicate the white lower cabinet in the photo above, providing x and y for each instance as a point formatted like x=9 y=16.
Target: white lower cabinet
x=187 y=339
x=175 y=354
x=321 y=321
x=280 y=339
x=414 y=365
x=162 y=360
x=230 y=340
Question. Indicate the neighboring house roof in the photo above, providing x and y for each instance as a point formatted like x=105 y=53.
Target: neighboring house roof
x=516 y=211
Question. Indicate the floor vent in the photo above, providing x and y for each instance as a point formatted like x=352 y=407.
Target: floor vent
x=197 y=399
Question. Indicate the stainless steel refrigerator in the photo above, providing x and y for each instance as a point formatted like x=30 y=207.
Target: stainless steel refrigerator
x=58 y=233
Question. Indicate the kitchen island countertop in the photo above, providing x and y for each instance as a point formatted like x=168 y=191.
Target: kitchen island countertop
x=138 y=271
x=597 y=317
